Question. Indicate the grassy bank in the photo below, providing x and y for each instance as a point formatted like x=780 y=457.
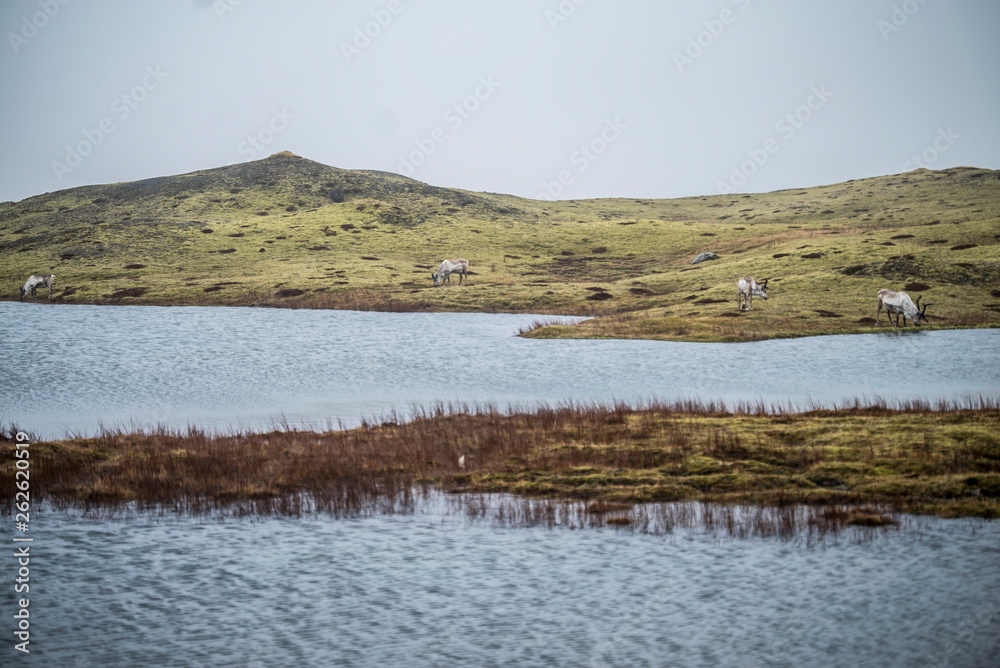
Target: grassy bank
x=289 y=232
x=943 y=461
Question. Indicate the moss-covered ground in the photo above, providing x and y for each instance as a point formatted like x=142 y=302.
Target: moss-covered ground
x=286 y=231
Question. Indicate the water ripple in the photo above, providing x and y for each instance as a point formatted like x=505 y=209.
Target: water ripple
x=428 y=589
x=225 y=368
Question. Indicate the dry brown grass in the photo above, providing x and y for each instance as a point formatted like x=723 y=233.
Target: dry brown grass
x=610 y=461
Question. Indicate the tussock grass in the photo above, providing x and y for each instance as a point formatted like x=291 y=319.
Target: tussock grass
x=854 y=465
x=826 y=249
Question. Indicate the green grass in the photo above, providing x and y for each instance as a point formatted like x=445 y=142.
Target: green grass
x=267 y=233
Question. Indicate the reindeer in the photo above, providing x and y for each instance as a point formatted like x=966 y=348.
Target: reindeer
x=900 y=304
x=449 y=267
x=31 y=285
x=747 y=289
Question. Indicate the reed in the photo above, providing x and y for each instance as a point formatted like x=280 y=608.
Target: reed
x=859 y=464
x=539 y=324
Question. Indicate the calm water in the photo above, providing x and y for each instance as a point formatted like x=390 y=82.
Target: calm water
x=73 y=368
x=429 y=589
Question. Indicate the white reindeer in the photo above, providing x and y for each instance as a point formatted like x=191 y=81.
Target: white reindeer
x=900 y=304
x=33 y=282
x=449 y=267
x=747 y=289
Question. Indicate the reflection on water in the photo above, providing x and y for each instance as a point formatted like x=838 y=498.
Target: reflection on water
x=77 y=367
x=432 y=589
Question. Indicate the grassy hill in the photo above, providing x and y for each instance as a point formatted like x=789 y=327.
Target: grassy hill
x=286 y=231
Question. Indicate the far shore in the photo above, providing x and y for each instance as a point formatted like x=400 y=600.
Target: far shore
x=292 y=233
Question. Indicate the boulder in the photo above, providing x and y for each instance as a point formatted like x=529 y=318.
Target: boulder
x=704 y=257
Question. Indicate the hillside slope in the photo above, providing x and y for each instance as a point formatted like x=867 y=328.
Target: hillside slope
x=286 y=231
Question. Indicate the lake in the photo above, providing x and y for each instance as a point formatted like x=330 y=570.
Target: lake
x=71 y=369
x=434 y=589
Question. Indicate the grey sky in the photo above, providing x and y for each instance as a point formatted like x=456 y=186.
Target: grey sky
x=670 y=98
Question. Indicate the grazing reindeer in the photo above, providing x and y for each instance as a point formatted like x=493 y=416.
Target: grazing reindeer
x=900 y=304
x=31 y=285
x=747 y=289
x=449 y=267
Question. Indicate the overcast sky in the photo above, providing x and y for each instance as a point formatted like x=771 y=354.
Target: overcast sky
x=538 y=98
